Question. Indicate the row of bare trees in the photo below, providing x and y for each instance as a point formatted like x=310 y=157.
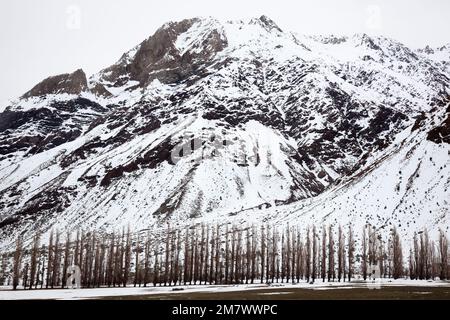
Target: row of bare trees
x=223 y=255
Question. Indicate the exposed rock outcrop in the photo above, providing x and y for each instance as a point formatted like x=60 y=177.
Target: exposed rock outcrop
x=71 y=83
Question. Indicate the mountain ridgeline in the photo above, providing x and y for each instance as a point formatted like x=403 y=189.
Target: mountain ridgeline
x=241 y=121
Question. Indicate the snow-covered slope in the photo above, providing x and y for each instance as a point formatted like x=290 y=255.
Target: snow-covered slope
x=240 y=120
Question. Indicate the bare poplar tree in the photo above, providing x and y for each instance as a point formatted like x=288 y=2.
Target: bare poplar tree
x=416 y=257
x=127 y=254
x=17 y=262
x=411 y=267
x=34 y=260
x=274 y=253
x=167 y=255
x=186 y=257
x=66 y=260
x=212 y=259
x=324 y=254
x=314 y=255
x=263 y=252
x=288 y=254
x=364 y=254
x=308 y=256
x=49 y=260
x=341 y=254
x=294 y=254
x=253 y=254
x=247 y=256
x=331 y=269
x=137 y=279
x=156 y=265
x=443 y=256
x=177 y=269
x=200 y=273
x=351 y=251
x=227 y=254
x=147 y=260
x=397 y=255
x=300 y=258
x=268 y=254
x=76 y=253
x=110 y=264
x=102 y=265
x=217 y=273
x=206 y=268
x=56 y=262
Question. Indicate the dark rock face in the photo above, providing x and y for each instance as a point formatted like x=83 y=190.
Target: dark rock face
x=99 y=90
x=71 y=83
x=158 y=57
x=441 y=133
x=119 y=117
x=37 y=130
x=268 y=23
x=150 y=159
x=44 y=204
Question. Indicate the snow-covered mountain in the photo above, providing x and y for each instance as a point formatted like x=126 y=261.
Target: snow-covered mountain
x=209 y=121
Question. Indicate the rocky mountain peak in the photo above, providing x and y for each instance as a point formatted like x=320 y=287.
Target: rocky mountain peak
x=172 y=54
x=71 y=83
x=267 y=23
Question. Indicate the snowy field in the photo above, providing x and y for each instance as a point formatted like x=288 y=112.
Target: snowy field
x=6 y=293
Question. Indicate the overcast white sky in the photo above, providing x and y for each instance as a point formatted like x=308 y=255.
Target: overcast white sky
x=39 y=38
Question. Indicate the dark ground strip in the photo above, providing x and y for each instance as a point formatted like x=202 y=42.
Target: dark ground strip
x=386 y=293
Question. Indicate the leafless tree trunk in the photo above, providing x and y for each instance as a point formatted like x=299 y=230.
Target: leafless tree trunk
x=364 y=254
x=253 y=254
x=274 y=254
x=34 y=260
x=443 y=256
x=217 y=273
x=397 y=255
x=373 y=245
x=147 y=260
x=300 y=258
x=206 y=270
x=331 y=270
x=212 y=259
x=351 y=251
x=324 y=254
x=416 y=257
x=287 y=250
x=177 y=259
x=186 y=257
x=156 y=267
x=239 y=258
x=227 y=255
x=49 y=260
x=137 y=272
x=56 y=262
x=66 y=259
x=247 y=256
x=17 y=262
x=341 y=254
x=202 y=254
x=167 y=255
x=314 y=255
x=308 y=256
x=294 y=255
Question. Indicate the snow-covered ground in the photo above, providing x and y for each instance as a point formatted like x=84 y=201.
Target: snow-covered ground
x=6 y=293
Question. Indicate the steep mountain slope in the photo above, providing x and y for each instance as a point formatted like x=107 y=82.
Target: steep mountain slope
x=209 y=121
